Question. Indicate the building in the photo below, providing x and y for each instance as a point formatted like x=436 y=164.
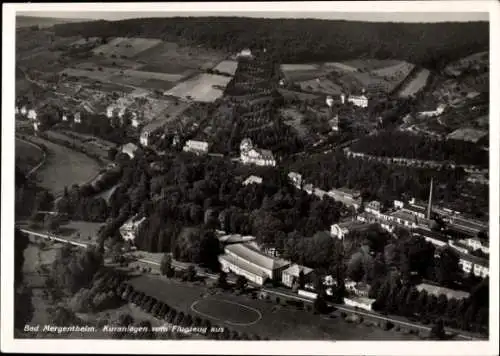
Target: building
x=291 y=274
x=234 y=239
x=361 y=101
x=244 y=260
x=295 y=179
x=253 y=180
x=398 y=204
x=23 y=111
x=359 y=289
x=359 y=302
x=32 y=114
x=309 y=188
x=341 y=230
x=129 y=149
x=476 y=244
x=438 y=290
x=334 y=123
x=253 y=155
x=473 y=264
x=434 y=237
x=246 y=53
x=438 y=111
x=329 y=101
x=131 y=227
x=374 y=207
x=78 y=118
x=196 y=147
x=346 y=196
x=135 y=121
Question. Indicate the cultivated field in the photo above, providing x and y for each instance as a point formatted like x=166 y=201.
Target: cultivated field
x=467 y=134
x=27 y=155
x=88 y=143
x=321 y=85
x=128 y=47
x=371 y=64
x=204 y=87
x=415 y=85
x=254 y=316
x=342 y=66
x=228 y=67
x=64 y=167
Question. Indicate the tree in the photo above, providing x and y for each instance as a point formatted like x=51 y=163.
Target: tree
x=112 y=153
x=222 y=280
x=20 y=244
x=241 y=283
x=447 y=269
x=437 y=331
x=302 y=279
x=319 y=305
x=166 y=265
x=191 y=273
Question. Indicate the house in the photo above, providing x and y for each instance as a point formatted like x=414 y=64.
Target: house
x=296 y=179
x=435 y=238
x=329 y=101
x=130 y=228
x=477 y=244
x=473 y=264
x=77 y=118
x=398 y=204
x=245 y=53
x=438 y=111
x=234 y=238
x=253 y=155
x=64 y=117
x=374 y=207
x=129 y=149
x=247 y=261
x=346 y=196
x=32 y=114
x=253 y=180
x=438 y=290
x=334 y=123
x=196 y=146
x=341 y=230
x=361 y=101
x=135 y=122
x=291 y=274
x=359 y=289
x=359 y=302
x=23 y=111
x=309 y=188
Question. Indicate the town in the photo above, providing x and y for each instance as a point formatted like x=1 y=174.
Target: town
x=276 y=192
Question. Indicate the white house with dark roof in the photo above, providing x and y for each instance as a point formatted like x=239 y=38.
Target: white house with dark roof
x=244 y=260
x=130 y=228
x=252 y=180
x=295 y=179
x=361 y=100
x=253 y=155
x=196 y=146
x=340 y=230
x=291 y=274
x=129 y=149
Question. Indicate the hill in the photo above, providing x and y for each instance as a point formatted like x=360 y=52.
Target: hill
x=28 y=21
x=432 y=45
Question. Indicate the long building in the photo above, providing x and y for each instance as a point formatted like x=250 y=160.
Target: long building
x=244 y=260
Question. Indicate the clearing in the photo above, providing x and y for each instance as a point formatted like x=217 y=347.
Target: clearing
x=227 y=66
x=416 y=84
x=127 y=47
x=203 y=87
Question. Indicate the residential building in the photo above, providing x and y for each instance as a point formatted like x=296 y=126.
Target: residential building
x=296 y=179
x=473 y=264
x=23 y=111
x=438 y=111
x=17 y=110
x=64 y=117
x=309 y=188
x=78 y=118
x=253 y=180
x=438 y=290
x=247 y=53
x=398 y=204
x=131 y=227
x=234 y=238
x=329 y=101
x=196 y=146
x=477 y=244
x=341 y=230
x=291 y=274
x=334 y=123
x=129 y=149
x=32 y=114
x=359 y=289
x=434 y=237
x=135 y=121
x=359 y=302
x=252 y=155
x=374 y=207
x=361 y=101
x=346 y=196
x=244 y=260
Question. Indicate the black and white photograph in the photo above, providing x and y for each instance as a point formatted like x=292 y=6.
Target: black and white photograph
x=218 y=177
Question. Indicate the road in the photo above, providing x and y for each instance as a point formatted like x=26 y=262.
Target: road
x=278 y=292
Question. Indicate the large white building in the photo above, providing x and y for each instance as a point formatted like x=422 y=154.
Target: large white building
x=130 y=228
x=292 y=273
x=244 y=260
x=295 y=179
x=340 y=230
x=129 y=149
x=196 y=146
x=361 y=100
x=252 y=155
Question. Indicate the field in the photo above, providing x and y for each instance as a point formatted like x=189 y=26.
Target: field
x=201 y=88
x=64 y=167
x=90 y=144
x=128 y=47
x=415 y=85
x=254 y=316
x=467 y=134
x=342 y=66
x=27 y=155
x=228 y=67
x=28 y=21
x=325 y=86
x=476 y=61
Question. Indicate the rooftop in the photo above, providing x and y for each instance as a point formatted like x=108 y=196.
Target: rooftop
x=235 y=238
x=248 y=253
x=242 y=264
x=295 y=270
x=129 y=147
x=438 y=290
x=353 y=225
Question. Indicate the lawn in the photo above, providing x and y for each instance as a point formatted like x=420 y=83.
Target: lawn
x=64 y=167
x=278 y=322
x=27 y=155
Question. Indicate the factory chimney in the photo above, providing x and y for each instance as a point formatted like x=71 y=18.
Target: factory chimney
x=429 y=207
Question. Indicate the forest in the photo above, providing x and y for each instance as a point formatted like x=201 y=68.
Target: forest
x=407 y=145
x=304 y=40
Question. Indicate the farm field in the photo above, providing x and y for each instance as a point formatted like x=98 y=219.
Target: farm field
x=90 y=144
x=201 y=88
x=128 y=47
x=64 y=167
x=255 y=316
x=27 y=155
x=416 y=84
x=227 y=66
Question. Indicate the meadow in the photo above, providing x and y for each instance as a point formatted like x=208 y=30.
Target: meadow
x=203 y=87
x=27 y=155
x=416 y=84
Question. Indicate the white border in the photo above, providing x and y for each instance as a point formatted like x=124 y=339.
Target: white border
x=457 y=348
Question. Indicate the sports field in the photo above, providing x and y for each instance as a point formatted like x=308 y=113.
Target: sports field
x=255 y=316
